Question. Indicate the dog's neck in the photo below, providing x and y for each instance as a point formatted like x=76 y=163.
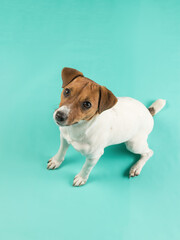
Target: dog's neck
x=80 y=129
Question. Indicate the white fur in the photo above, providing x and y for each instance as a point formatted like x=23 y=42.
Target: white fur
x=128 y=121
x=158 y=105
x=65 y=109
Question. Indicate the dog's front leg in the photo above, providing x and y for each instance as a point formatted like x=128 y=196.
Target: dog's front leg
x=57 y=159
x=82 y=177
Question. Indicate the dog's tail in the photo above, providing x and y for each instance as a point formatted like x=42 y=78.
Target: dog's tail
x=157 y=106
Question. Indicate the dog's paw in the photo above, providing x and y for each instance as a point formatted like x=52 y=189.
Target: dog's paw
x=53 y=164
x=135 y=170
x=78 y=181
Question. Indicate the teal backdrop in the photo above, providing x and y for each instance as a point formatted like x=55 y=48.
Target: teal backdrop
x=132 y=48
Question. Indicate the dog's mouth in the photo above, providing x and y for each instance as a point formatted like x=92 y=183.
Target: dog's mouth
x=64 y=124
x=58 y=123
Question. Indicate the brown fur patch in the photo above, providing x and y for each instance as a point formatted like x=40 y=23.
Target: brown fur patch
x=82 y=89
x=106 y=100
x=152 y=111
x=69 y=74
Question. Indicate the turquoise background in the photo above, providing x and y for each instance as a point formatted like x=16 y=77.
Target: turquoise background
x=131 y=47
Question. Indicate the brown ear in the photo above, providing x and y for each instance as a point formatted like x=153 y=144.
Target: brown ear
x=106 y=99
x=69 y=74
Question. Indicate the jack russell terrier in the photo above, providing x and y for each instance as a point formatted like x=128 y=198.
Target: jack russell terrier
x=91 y=118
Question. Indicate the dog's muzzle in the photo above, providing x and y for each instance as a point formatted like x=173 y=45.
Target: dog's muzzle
x=61 y=117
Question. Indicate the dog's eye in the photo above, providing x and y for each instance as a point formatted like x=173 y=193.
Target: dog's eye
x=66 y=92
x=86 y=104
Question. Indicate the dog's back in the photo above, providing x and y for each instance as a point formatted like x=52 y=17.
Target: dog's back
x=124 y=120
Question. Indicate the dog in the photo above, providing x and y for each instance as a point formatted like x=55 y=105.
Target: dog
x=90 y=117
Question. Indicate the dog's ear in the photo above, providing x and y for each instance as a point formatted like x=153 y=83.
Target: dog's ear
x=106 y=99
x=69 y=74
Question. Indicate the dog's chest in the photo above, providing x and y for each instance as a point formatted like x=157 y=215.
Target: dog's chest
x=77 y=138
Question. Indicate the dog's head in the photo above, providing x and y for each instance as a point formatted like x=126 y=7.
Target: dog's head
x=81 y=98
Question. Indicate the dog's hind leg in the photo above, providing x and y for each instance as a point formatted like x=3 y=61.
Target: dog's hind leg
x=139 y=145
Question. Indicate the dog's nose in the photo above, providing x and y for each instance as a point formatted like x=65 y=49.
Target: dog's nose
x=61 y=116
